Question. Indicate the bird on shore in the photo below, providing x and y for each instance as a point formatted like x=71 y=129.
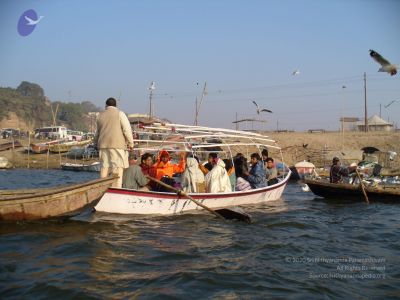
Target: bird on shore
x=33 y=22
x=386 y=65
x=259 y=109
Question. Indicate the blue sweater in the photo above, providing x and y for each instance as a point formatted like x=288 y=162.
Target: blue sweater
x=257 y=176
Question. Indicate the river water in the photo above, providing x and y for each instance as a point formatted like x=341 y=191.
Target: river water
x=299 y=247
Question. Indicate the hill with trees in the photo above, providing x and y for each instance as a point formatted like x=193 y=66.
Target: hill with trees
x=29 y=104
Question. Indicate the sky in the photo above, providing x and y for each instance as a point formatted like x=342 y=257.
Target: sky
x=245 y=50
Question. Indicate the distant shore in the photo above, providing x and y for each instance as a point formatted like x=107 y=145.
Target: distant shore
x=318 y=148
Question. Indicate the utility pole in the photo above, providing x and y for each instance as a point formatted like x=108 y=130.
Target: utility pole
x=343 y=87
x=365 y=103
x=201 y=101
x=237 y=124
x=196 y=112
x=151 y=88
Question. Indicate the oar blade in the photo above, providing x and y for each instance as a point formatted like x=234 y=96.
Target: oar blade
x=234 y=213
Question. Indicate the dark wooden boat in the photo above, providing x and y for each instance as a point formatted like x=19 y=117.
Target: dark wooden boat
x=10 y=145
x=68 y=200
x=322 y=188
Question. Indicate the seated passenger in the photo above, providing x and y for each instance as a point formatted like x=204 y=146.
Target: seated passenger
x=217 y=180
x=147 y=165
x=207 y=167
x=133 y=177
x=256 y=177
x=231 y=172
x=240 y=163
x=192 y=177
x=271 y=172
x=264 y=155
x=164 y=167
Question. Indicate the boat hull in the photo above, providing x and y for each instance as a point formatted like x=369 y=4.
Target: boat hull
x=95 y=167
x=34 y=204
x=125 y=201
x=352 y=192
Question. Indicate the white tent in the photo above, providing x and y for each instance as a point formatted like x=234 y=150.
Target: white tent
x=376 y=123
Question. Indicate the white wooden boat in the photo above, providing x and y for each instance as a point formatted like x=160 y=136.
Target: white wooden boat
x=124 y=201
x=197 y=140
x=305 y=168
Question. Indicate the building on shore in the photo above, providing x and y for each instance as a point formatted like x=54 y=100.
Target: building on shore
x=375 y=123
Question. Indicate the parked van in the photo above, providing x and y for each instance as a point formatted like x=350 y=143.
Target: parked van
x=74 y=135
x=51 y=132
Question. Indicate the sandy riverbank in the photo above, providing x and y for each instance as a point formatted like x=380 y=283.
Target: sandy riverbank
x=318 y=148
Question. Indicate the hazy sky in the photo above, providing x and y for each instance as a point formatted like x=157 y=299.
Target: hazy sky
x=245 y=50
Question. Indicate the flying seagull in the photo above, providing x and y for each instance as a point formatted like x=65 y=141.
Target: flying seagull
x=260 y=110
x=32 y=22
x=386 y=65
x=296 y=72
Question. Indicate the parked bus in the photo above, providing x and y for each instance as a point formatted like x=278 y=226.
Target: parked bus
x=51 y=132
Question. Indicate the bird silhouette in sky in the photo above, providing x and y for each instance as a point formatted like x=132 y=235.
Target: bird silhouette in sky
x=259 y=109
x=386 y=65
x=33 y=22
x=296 y=72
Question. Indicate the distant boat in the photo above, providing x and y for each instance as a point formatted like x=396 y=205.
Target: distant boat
x=89 y=151
x=42 y=147
x=66 y=146
x=42 y=203
x=341 y=191
x=305 y=168
x=10 y=145
x=94 y=167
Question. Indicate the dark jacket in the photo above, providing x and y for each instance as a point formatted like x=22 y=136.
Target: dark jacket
x=337 y=172
x=257 y=176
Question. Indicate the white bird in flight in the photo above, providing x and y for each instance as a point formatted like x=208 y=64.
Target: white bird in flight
x=296 y=72
x=33 y=22
x=386 y=65
x=260 y=110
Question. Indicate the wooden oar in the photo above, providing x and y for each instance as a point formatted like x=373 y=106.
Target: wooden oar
x=362 y=186
x=223 y=213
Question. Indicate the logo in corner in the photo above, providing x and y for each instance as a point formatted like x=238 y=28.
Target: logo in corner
x=27 y=22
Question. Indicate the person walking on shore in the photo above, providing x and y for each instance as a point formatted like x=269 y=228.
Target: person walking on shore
x=113 y=138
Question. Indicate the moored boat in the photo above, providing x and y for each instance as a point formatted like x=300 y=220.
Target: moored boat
x=198 y=141
x=43 y=147
x=10 y=145
x=305 y=168
x=34 y=204
x=66 y=146
x=93 y=167
x=346 y=191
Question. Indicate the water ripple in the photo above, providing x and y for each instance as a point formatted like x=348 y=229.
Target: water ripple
x=297 y=247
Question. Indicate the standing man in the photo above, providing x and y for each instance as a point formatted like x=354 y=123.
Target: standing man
x=113 y=138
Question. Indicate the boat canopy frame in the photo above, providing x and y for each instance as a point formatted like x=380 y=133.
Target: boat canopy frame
x=200 y=140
